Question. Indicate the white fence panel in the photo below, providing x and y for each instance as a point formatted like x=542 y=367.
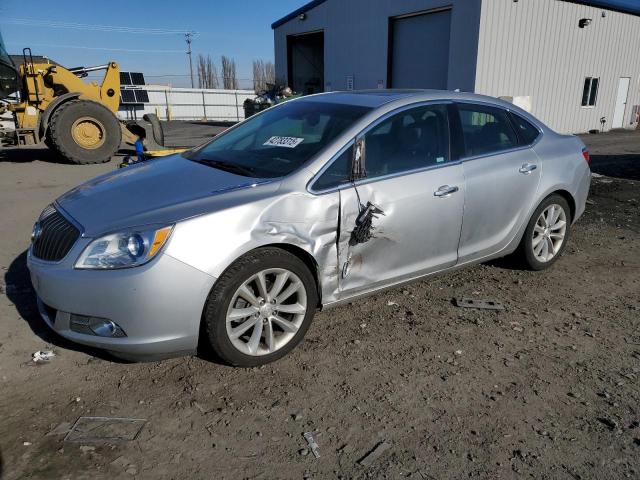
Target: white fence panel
x=190 y=104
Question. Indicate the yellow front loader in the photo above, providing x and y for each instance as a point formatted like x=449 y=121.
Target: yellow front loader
x=51 y=104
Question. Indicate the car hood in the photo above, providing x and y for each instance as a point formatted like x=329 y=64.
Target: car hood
x=160 y=191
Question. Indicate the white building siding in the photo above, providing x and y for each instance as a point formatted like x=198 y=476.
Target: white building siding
x=535 y=48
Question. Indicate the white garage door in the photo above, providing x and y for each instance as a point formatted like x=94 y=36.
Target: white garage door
x=420 y=50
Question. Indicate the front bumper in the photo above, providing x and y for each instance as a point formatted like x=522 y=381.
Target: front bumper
x=158 y=305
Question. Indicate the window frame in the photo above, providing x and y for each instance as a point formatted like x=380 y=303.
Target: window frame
x=327 y=166
x=515 y=127
x=457 y=146
x=595 y=100
x=460 y=133
x=453 y=154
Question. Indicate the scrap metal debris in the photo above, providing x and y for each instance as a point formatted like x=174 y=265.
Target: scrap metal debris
x=315 y=449
x=105 y=429
x=481 y=304
x=364 y=224
x=42 y=356
x=374 y=454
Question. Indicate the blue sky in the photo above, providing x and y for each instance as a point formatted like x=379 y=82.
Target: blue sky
x=237 y=28
x=622 y=3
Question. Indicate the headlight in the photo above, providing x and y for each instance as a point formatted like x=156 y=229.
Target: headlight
x=124 y=249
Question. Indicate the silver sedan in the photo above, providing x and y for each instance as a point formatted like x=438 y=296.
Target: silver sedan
x=233 y=246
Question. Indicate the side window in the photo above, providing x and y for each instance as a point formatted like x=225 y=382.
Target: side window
x=527 y=133
x=412 y=139
x=338 y=173
x=486 y=129
x=590 y=91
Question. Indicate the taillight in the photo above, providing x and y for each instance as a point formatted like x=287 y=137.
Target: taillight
x=586 y=155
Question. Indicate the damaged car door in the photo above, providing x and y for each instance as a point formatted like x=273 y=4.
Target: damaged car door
x=403 y=218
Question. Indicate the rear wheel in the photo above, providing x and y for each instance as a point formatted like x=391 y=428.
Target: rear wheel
x=547 y=233
x=84 y=132
x=260 y=308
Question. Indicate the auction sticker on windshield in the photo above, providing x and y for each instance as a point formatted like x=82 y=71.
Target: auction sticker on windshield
x=287 y=142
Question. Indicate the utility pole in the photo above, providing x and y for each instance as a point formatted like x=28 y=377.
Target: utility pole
x=189 y=38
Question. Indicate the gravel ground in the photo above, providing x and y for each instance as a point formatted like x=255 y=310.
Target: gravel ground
x=548 y=388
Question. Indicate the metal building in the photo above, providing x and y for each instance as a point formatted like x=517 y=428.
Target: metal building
x=576 y=64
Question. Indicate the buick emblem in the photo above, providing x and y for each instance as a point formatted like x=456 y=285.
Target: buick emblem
x=36 y=232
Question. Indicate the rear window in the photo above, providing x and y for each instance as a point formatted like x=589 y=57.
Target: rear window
x=280 y=140
x=527 y=133
x=486 y=129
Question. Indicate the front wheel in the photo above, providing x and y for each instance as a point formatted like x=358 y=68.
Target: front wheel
x=547 y=233
x=83 y=131
x=260 y=308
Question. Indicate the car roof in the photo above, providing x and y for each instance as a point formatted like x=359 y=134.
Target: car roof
x=386 y=100
x=378 y=98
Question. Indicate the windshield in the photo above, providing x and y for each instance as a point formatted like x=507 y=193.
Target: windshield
x=8 y=74
x=280 y=140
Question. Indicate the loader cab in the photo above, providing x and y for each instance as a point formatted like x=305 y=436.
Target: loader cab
x=9 y=85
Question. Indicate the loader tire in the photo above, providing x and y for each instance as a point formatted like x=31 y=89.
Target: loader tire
x=156 y=128
x=85 y=132
x=48 y=142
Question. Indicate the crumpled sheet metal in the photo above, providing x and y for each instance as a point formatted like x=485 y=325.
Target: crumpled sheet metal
x=307 y=221
x=378 y=244
x=312 y=226
x=321 y=225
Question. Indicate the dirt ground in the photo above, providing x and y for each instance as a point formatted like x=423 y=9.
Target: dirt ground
x=547 y=389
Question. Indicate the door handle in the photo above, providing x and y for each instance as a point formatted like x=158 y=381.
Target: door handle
x=527 y=168
x=445 y=191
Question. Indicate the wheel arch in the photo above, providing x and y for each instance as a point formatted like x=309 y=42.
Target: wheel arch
x=43 y=127
x=570 y=200
x=306 y=258
x=559 y=190
x=295 y=250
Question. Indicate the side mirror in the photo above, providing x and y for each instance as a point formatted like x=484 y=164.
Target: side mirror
x=358 y=169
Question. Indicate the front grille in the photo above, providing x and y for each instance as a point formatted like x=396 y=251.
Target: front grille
x=57 y=236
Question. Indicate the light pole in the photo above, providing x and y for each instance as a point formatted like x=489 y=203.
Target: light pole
x=189 y=38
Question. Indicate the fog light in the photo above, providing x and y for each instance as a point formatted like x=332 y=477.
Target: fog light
x=95 y=326
x=103 y=328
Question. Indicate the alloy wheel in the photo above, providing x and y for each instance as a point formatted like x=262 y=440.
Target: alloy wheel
x=549 y=233
x=266 y=311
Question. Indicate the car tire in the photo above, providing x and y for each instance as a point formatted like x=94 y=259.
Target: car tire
x=532 y=250
x=277 y=331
